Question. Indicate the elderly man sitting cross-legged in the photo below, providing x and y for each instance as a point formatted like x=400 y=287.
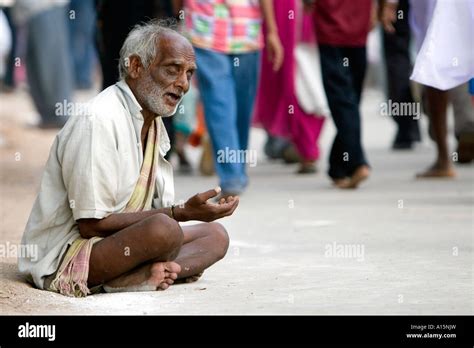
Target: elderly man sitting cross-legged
x=104 y=215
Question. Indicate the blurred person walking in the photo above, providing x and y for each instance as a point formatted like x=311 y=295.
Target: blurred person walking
x=437 y=68
x=227 y=40
x=48 y=62
x=277 y=108
x=342 y=27
x=396 y=47
x=82 y=31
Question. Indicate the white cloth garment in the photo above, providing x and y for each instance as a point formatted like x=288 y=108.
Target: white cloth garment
x=91 y=172
x=5 y=42
x=309 y=81
x=446 y=58
x=420 y=14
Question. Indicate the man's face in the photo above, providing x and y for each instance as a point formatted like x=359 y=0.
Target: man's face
x=161 y=87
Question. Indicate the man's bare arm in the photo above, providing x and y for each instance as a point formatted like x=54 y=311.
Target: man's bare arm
x=115 y=222
x=273 y=44
x=196 y=208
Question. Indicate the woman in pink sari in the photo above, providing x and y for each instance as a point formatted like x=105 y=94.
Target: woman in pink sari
x=277 y=109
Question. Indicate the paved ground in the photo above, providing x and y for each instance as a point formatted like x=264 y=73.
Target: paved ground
x=298 y=246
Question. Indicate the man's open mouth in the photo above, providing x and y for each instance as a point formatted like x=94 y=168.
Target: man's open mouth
x=172 y=97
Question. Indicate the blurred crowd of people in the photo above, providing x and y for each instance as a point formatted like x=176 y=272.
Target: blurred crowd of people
x=251 y=57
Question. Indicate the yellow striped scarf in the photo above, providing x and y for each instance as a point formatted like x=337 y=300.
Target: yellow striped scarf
x=142 y=195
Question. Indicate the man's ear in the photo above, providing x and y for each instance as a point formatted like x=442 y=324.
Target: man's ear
x=135 y=66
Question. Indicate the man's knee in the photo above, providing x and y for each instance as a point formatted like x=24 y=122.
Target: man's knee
x=166 y=236
x=220 y=239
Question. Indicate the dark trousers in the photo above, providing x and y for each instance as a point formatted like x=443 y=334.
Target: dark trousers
x=343 y=70
x=397 y=58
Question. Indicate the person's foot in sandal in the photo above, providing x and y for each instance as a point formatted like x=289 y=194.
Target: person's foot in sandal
x=307 y=167
x=291 y=155
x=361 y=174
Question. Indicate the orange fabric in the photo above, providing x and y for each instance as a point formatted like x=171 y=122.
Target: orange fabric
x=200 y=131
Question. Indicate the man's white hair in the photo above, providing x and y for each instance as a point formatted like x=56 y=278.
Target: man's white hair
x=142 y=41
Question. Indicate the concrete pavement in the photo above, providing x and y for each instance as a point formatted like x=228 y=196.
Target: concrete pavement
x=298 y=246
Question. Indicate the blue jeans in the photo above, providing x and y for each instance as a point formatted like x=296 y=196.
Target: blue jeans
x=227 y=84
x=82 y=48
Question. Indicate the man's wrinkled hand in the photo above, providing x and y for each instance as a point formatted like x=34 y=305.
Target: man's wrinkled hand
x=198 y=207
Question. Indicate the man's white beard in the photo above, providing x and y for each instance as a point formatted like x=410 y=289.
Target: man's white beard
x=175 y=109
x=153 y=97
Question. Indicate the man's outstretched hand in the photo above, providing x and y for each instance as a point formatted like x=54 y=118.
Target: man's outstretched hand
x=198 y=207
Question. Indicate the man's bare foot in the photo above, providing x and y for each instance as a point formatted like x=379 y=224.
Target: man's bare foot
x=438 y=170
x=361 y=173
x=190 y=279
x=149 y=277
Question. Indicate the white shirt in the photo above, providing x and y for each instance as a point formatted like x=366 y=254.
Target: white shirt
x=91 y=172
x=446 y=49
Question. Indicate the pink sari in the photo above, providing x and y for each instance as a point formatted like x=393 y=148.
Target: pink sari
x=276 y=97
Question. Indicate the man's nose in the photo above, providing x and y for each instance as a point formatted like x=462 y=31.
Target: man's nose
x=182 y=82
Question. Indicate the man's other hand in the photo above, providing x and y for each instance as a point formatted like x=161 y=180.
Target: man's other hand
x=198 y=207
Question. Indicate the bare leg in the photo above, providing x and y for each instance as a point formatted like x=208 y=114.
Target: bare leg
x=204 y=244
x=139 y=254
x=438 y=102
